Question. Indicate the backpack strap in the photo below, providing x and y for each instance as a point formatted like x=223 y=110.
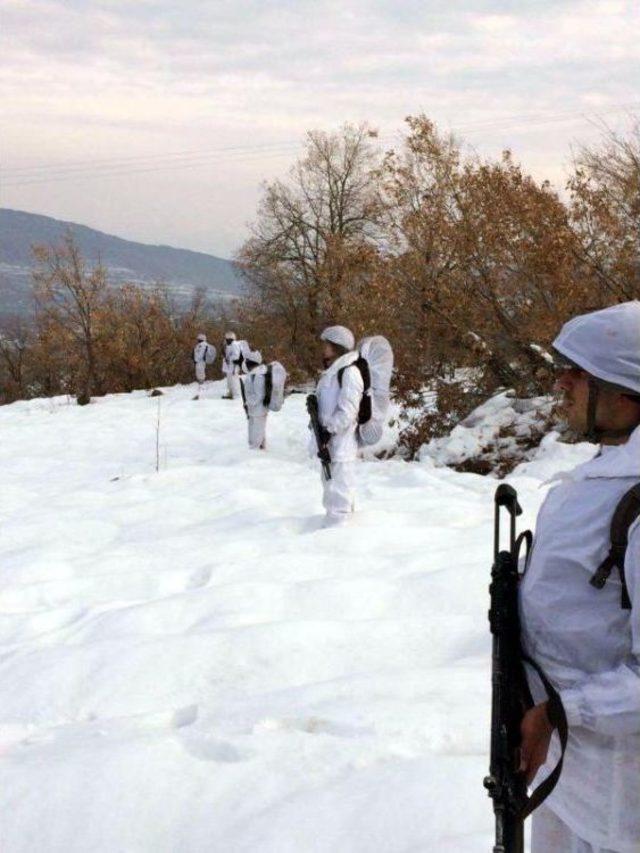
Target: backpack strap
x=244 y=396
x=365 y=409
x=363 y=366
x=625 y=513
x=268 y=386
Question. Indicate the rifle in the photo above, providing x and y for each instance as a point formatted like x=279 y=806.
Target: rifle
x=506 y=785
x=244 y=398
x=511 y=697
x=323 y=450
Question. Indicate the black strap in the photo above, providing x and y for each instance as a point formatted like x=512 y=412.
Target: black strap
x=268 y=386
x=592 y=433
x=365 y=409
x=526 y=539
x=244 y=396
x=558 y=716
x=624 y=515
x=556 y=712
x=363 y=366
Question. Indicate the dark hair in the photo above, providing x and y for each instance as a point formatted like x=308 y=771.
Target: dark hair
x=337 y=348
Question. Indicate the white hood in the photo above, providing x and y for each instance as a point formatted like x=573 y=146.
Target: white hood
x=606 y=344
x=339 y=335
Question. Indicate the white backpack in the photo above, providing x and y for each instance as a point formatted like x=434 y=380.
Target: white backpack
x=375 y=363
x=274 y=381
x=245 y=352
x=210 y=354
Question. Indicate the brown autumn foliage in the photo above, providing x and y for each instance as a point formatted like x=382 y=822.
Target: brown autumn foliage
x=88 y=338
x=312 y=248
x=468 y=266
x=462 y=263
x=485 y=256
x=605 y=214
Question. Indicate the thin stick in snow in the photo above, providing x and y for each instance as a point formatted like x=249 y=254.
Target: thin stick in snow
x=158 y=437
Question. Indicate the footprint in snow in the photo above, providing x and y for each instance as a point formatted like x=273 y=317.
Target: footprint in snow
x=184 y=716
x=207 y=748
x=199 y=578
x=200 y=744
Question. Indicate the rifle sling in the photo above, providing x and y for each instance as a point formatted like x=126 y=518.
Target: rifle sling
x=555 y=705
x=555 y=702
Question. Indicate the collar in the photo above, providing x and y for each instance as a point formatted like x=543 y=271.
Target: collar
x=344 y=361
x=621 y=460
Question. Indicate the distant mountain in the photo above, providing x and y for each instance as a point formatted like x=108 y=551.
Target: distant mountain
x=182 y=271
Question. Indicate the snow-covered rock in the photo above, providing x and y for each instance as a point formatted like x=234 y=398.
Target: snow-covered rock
x=497 y=436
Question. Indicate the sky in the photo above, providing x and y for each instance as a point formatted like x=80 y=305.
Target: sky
x=159 y=121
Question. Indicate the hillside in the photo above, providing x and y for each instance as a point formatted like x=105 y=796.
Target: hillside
x=191 y=662
x=181 y=270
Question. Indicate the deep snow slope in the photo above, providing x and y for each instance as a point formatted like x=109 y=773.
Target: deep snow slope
x=190 y=662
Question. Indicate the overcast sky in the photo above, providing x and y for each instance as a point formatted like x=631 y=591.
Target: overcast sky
x=158 y=120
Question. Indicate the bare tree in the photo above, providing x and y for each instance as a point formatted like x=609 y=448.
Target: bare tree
x=294 y=261
x=605 y=209
x=70 y=295
x=14 y=343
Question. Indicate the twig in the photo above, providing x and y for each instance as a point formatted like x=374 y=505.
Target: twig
x=158 y=438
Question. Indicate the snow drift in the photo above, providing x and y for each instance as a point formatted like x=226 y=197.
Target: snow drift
x=190 y=662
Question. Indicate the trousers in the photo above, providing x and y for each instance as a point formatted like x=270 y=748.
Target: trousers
x=257 y=431
x=233 y=385
x=201 y=374
x=338 y=496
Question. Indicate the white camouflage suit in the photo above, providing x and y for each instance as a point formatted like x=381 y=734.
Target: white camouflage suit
x=199 y=360
x=231 y=368
x=589 y=648
x=254 y=391
x=338 y=412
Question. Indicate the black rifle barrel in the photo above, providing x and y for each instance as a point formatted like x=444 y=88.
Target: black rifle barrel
x=505 y=784
x=323 y=450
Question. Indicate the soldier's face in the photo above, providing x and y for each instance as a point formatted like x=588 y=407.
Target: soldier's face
x=573 y=385
x=328 y=354
x=613 y=410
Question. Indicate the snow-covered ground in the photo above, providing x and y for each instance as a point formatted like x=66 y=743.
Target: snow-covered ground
x=190 y=662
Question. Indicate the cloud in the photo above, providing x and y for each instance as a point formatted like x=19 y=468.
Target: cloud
x=262 y=54
x=85 y=79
